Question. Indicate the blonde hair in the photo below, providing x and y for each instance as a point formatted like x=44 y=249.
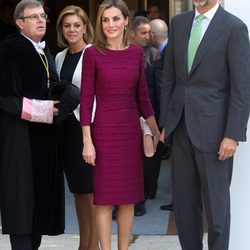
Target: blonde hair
x=100 y=38
x=74 y=10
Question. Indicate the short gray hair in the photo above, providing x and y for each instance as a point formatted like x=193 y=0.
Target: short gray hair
x=137 y=21
x=21 y=6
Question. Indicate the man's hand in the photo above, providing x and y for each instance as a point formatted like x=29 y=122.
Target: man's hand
x=227 y=148
x=162 y=136
x=55 y=110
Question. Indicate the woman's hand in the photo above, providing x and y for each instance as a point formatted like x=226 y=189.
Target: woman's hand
x=155 y=130
x=88 y=153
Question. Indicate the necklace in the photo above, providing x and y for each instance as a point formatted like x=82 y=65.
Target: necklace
x=46 y=66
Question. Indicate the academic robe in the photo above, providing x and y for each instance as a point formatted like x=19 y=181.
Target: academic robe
x=31 y=178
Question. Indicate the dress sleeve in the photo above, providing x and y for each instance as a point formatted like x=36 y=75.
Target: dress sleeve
x=87 y=87
x=143 y=101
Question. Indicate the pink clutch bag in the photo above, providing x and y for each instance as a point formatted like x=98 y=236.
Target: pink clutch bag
x=148 y=142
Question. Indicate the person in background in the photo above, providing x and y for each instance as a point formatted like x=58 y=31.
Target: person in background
x=31 y=181
x=140 y=35
x=205 y=109
x=75 y=34
x=159 y=39
x=154 y=12
x=159 y=35
x=113 y=72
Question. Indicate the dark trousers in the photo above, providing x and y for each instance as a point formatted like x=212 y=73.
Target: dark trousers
x=25 y=242
x=151 y=167
x=199 y=177
x=149 y=171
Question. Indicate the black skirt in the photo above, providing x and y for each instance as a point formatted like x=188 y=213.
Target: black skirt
x=78 y=173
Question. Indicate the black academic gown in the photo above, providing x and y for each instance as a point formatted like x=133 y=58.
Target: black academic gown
x=31 y=179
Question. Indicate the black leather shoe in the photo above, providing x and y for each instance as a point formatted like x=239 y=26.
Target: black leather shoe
x=140 y=209
x=168 y=207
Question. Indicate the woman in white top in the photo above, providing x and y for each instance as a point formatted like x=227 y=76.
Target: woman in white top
x=75 y=33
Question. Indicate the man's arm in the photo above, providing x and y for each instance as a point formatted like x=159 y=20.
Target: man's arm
x=239 y=104
x=167 y=80
x=239 y=77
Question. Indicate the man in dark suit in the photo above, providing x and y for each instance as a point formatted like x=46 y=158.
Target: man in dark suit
x=140 y=34
x=205 y=109
x=159 y=39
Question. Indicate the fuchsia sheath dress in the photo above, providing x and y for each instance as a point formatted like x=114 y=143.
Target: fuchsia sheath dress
x=117 y=80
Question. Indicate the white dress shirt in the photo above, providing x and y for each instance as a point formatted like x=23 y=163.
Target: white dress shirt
x=208 y=17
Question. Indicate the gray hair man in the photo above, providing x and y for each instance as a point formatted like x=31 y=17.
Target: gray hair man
x=159 y=34
x=204 y=110
x=140 y=35
x=31 y=182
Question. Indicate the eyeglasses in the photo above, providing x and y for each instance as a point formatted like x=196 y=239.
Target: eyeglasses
x=35 y=17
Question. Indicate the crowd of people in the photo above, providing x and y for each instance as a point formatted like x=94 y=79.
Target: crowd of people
x=79 y=114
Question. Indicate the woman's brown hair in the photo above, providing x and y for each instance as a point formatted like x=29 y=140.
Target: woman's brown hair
x=74 y=10
x=100 y=38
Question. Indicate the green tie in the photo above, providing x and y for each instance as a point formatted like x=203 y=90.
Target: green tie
x=194 y=40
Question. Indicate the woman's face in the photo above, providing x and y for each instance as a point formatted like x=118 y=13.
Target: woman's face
x=113 y=23
x=73 y=29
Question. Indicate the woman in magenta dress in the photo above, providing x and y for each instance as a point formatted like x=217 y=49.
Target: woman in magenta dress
x=113 y=72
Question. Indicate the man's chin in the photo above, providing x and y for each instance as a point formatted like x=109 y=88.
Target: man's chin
x=200 y=4
x=41 y=34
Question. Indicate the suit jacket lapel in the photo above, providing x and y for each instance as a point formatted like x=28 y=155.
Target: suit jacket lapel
x=214 y=29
